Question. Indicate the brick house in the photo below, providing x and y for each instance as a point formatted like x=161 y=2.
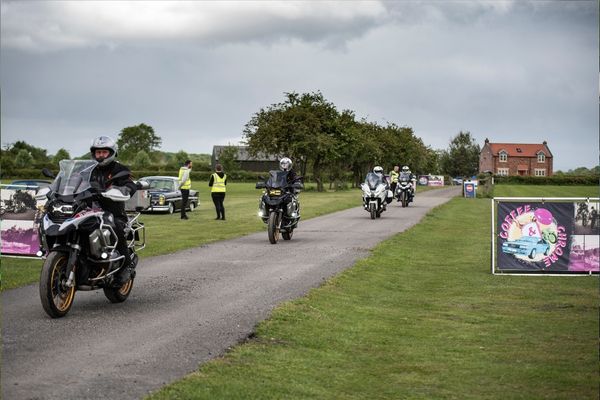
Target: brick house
x=509 y=159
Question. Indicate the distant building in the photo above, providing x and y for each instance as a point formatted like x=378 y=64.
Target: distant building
x=260 y=163
x=510 y=159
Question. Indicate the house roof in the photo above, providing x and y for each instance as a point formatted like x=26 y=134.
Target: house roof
x=520 y=149
x=244 y=155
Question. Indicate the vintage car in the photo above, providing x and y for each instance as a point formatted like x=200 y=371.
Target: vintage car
x=164 y=195
x=527 y=246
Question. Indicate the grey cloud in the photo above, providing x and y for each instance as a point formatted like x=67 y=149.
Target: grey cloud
x=54 y=25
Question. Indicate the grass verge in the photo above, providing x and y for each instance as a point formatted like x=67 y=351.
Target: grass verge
x=421 y=318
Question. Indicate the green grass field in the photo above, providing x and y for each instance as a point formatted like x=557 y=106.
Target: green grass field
x=421 y=318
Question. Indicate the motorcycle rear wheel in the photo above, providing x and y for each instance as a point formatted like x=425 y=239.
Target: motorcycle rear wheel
x=119 y=295
x=273 y=230
x=56 y=298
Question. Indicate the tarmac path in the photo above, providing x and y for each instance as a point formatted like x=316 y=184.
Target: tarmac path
x=185 y=308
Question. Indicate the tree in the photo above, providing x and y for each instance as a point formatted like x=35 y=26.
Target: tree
x=61 y=154
x=24 y=159
x=133 y=139
x=141 y=160
x=462 y=156
x=228 y=158
x=302 y=127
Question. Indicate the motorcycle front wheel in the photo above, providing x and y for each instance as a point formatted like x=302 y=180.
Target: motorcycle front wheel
x=373 y=211
x=119 y=295
x=273 y=229
x=56 y=297
x=404 y=199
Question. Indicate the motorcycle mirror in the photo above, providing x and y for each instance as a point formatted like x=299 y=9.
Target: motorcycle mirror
x=47 y=173
x=142 y=185
x=260 y=185
x=262 y=178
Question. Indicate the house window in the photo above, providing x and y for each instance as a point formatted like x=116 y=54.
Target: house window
x=503 y=156
x=502 y=172
x=540 y=172
x=541 y=157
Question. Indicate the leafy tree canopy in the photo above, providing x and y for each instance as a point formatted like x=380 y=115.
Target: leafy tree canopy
x=61 y=154
x=137 y=138
x=462 y=156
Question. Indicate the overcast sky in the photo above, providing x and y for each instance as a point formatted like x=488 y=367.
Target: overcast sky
x=510 y=71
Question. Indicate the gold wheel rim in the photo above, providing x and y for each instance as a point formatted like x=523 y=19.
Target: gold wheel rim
x=62 y=300
x=126 y=287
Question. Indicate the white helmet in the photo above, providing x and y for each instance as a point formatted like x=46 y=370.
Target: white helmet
x=104 y=143
x=285 y=164
x=405 y=169
x=378 y=170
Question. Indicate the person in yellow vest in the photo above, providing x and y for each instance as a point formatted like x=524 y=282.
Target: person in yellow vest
x=394 y=174
x=185 y=184
x=218 y=182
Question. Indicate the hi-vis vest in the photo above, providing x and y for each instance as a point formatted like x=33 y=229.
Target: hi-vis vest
x=218 y=183
x=188 y=183
x=394 y=175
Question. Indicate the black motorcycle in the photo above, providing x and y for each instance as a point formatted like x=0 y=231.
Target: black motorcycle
x=404 y=189
x=78 y=239
x=278 y=207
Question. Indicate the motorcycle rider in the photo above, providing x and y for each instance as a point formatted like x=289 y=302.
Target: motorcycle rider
x=104 y=150
x=413 y=180
x=379 y=172
x=285 y=164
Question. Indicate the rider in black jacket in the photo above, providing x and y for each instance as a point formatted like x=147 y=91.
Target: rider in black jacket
x=109 y=174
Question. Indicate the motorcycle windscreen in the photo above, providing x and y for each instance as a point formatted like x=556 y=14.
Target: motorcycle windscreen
x=74 y=176
x=277 y=179
x=372 y=180
x=404 y=177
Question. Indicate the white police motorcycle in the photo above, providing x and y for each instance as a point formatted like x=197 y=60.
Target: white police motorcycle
x=376 y=195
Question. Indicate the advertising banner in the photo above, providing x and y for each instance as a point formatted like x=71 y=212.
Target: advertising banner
x=19 y=221
x=431 y=180
x=547 y=237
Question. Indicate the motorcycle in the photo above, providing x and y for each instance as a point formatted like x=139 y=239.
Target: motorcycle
x=278 y=207
x=404 y=189
x=78 y=239
x=375 y=195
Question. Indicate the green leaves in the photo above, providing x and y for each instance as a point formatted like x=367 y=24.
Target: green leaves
x=310 y=130
x=462 y=156
x=136 y=138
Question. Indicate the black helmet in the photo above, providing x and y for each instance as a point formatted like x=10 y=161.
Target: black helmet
x=104 y=143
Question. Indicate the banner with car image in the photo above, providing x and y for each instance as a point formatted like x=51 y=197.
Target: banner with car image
x=546 y=237
x=19 y=221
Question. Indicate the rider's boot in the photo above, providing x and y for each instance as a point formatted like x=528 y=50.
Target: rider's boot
x=127 y=272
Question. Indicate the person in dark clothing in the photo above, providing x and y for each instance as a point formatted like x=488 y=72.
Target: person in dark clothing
x=286 y=165
x=218 y=182
x=110 y=174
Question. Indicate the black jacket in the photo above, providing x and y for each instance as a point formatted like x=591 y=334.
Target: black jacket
x=99 y=180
